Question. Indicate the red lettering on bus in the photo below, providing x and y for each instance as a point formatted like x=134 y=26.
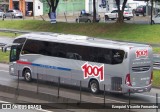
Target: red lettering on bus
x=94 y=71
x=140 y=53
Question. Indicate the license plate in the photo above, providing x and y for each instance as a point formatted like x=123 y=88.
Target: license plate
x=141 y=90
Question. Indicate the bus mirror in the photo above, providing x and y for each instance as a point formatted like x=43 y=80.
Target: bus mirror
x=4 y=49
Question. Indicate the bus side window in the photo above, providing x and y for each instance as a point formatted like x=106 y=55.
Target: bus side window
x=117 y=56
x=101 y=59
x=61 y=54
x=73 y=56
x=108 y=59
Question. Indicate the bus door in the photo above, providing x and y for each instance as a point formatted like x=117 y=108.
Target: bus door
x=140 y=67
x=14 y=56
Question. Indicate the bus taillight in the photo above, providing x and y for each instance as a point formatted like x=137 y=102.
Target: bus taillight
x=151 y=79
x=128 y=80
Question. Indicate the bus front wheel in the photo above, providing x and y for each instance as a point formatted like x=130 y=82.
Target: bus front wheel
x=94 y=86
x=27 y=75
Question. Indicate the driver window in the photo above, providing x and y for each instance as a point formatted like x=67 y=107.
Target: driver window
x=13 y=54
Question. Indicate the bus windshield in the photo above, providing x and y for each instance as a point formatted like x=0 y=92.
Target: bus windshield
x=15 y=52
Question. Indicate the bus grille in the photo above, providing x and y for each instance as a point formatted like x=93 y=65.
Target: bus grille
x=116 y=83
x=140 y=68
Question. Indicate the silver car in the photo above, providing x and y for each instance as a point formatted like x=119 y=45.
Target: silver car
x=87 y=17
x=1 y=13
x=13 y=14
x=156 y=19
x=114 y=15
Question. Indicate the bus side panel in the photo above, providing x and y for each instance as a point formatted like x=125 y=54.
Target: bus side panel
x=70 y=71
x=114 y=77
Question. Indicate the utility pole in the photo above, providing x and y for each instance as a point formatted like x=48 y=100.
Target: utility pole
x=151 y=11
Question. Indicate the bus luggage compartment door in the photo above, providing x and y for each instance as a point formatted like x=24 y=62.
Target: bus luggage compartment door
x=116 y=83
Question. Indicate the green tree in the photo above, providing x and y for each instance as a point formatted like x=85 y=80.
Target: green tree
x=120 y=11
x=52 y=7
x=94 y=11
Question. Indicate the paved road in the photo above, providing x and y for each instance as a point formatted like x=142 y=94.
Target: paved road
x=69 y=92
x=18 y=110
x=71 y=19
x=5 y=40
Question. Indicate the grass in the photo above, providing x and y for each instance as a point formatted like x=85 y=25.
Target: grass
x=8 y=34
x=4 y=57
x=156 y=50
x=156 y=78
x=128 y=32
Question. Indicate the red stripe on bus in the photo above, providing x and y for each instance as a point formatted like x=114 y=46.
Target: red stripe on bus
x=23 y=62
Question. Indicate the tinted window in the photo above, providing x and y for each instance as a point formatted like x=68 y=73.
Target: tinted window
x=10 y=11
x=14 y=53
x=19 y=40
x=77 y=52
x=117 y=56
x=34 y=47
x=114 y=11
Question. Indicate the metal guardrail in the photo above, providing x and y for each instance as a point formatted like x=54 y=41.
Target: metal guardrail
x=57 y=98
x=156 y=61
x=14 y=31
x=2 y=46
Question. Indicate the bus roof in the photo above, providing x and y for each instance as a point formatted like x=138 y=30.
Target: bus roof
x=79 y=40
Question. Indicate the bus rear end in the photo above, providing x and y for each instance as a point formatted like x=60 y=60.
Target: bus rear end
x=139 y=78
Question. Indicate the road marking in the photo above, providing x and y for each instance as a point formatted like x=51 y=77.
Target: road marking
x=28 y=103
x=4 y=71
x=111 y=100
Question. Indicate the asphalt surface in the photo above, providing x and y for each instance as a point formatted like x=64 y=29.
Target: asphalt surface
x=72 y=19
x=73 y=93
x=6 y=40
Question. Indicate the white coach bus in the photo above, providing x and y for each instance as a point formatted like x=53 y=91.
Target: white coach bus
x=120 y=66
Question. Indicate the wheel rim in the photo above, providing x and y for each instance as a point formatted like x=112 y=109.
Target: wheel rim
x=94 y=87
x=27 y=76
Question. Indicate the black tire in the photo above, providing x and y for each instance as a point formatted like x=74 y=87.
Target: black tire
x=137 y=14
x=13 y=16
x=128 y=18
x=27 y=75
x=4 y=16
x=112 y=19
x=153 y=22
x=77 y=20
x=97 y=21
x=94 y=86
x=88 y=21
x=106 y=17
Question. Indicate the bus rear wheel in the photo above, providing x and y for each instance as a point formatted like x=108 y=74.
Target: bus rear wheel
x=27 y=75
x=94 y=86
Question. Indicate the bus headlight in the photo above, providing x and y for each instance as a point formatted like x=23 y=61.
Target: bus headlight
x=12 y=70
